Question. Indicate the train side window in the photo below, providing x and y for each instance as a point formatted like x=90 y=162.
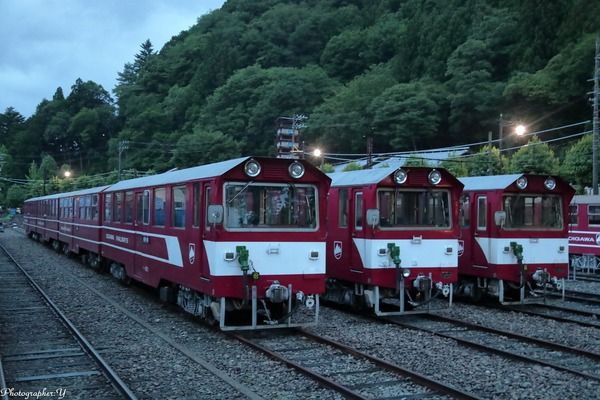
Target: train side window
x=107 y=207
x=358 y=211
x=465 y=211
x=128 y=207
x=80 y=207
x=146 y=208
x=196 y=201
x=159 y=207
x=343 y=208
x=573 y=215
x=95 y=207
x=481 y=213
x=118 y=201
x=594 y=214
x=178 y=206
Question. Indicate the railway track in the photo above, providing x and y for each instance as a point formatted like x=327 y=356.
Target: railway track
x=559 y=313
x=41 y=348
x=579 y=297
x=352 y=373
x=507 y=344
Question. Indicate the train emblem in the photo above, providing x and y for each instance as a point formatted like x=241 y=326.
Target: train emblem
x=337 y=249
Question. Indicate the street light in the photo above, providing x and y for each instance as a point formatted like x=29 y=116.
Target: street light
x=67 y=174
x=520 y=129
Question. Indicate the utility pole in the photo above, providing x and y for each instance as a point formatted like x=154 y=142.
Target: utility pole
x=489 y=152
x=123 y=145
x=369 y=152
x=595 y=120
x=500 y=128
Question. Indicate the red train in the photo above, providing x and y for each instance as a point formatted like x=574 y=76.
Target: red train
x=584 y=233
x=239 y=238
x=515 y=235
x=393 y=238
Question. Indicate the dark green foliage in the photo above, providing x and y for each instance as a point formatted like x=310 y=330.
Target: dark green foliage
x=411 y=74
x=534 y=158
x=577 y=165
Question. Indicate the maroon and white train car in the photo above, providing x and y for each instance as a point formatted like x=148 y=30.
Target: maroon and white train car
x=393 y=238
x=584 y=233
x=515 y=233
x=240 y=238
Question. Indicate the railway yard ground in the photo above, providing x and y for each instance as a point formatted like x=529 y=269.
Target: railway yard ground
x=149 y=350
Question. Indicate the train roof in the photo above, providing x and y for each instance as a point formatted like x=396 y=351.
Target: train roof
x=586 y=199
x=360 y=177
x=493 y=182
x=182 y=175
x=79 y=192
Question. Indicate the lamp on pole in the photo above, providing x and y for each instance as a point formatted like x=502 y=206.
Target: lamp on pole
x=520 y=129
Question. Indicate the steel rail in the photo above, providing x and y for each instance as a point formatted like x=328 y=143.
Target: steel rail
x=522 y=310
x=500 y=352
x=107 y=371
x=417 y=378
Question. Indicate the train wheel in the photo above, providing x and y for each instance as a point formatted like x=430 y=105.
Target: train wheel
x=56 y=246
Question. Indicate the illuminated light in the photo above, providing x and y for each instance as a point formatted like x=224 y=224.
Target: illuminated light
x=550 y=183
x=252 y=168
x=522 y=183
x=406 y=272
x=400 y=176
x=520 y=129
x=317 y=152
x=296 y=170
x=67 y=174
x=435 y=177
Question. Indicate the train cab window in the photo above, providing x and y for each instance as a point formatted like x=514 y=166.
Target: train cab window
x=196 y=200
x=402 y=209
x=481 y=213
x=594 y=214
x=206 y=203
x=358 y=211
x=159 y=207
x=178 y=206
x=128 y=207
x=107 y=207
x=118 y=203
x=465 y=211
x=533 y=211
x=343 y=205
x=573 y=215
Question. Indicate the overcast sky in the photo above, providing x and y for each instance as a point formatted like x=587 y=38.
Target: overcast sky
x=45 y=44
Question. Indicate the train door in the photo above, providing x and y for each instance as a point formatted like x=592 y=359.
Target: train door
x=195 y=248
x=141 y=241
x=465 y=244
x=482 y=237
x=357 y=238
x=202 y=198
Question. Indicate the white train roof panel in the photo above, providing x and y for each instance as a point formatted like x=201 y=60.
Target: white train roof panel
x=182 y=175
x=493 y=182
x=360 y=177
x=80 y=192
x=586 y=199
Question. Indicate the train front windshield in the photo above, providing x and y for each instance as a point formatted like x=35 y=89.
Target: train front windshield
x=532 y=211
x=414 y=208
x=270 y=206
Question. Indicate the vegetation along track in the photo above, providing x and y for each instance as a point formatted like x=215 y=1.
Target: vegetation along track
x=41 y=348
x=507 y=344
x=352 y=373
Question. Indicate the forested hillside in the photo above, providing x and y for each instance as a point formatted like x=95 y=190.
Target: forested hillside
x=413 y=74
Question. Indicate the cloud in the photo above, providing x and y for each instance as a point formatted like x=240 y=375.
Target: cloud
x=51 y=43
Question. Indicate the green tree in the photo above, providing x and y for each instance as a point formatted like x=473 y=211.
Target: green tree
x=352 y=166
x=16 y=195
x=204 y=147
x=577 y=164
x=534 y=158
x=480 y=165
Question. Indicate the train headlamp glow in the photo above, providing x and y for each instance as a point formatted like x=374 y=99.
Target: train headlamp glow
x=406 y=272
x=296 y=170
x=252 y=168
x=522 y=183
x=400 y=176
x=435 y=177
x=550 y=183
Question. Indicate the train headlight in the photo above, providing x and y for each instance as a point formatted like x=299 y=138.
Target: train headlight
x=522 y=183
x=296 y=170
x=406 y=272
x=400 y=176
x=252 y=168
x=550 y=183
x=435 y=177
